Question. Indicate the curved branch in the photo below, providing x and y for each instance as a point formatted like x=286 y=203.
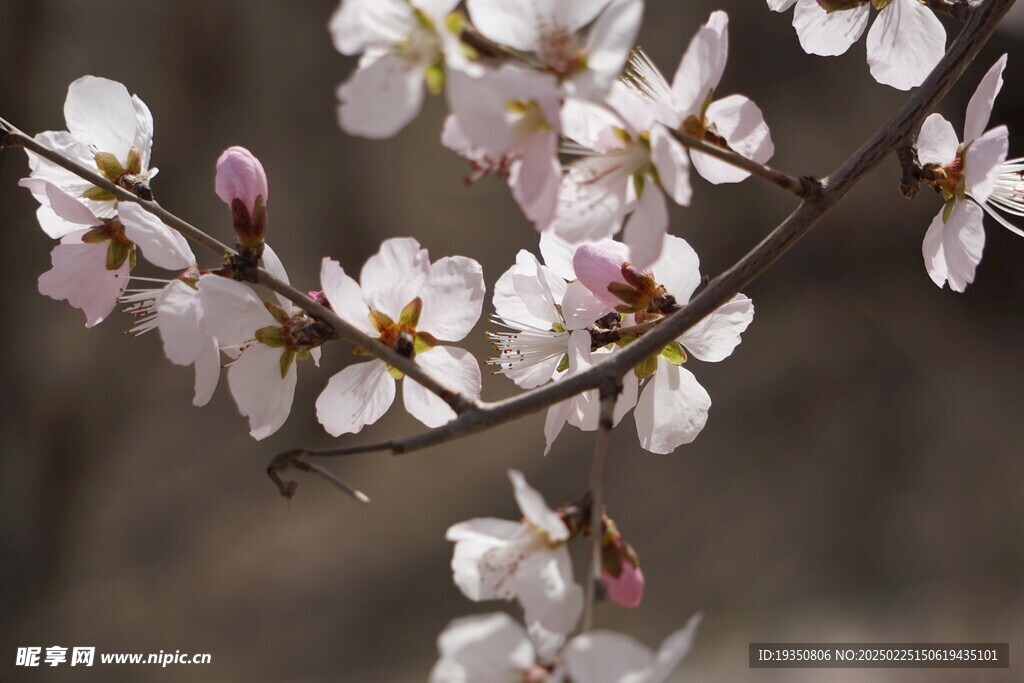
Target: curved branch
x=12 y=137
x=902 y=125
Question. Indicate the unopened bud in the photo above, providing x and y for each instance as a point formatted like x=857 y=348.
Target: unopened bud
x=598 y=265
x=620 y=568
x=242 y=185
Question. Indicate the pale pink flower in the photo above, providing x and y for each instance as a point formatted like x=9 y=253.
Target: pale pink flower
x=486 y=648
x=604 y=656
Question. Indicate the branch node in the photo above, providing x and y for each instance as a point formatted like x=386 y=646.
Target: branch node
x=811 y=188
x=910 y=183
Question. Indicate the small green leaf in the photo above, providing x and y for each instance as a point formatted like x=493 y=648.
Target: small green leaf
x=280 y=315
x=395 y=372
x=563 y=363
x=410 y=316
x=455 y=22
x=381 y=322
x=109 y=166
x=271 y=335
x=557 y=327
x=625 y=341
x=98 y=194
x=638 y=184
x=96 y=235
x=134 y=160
x=434 y=78
x=423 y=342
x=646 y=368
x=287 y=356
x=117 y=253
x=674 y=353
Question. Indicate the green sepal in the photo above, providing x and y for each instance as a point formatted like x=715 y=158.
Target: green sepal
x=395 y=372
x=98 y=194
x=133 y=257
x=708 y=99
x=563 y=363
x=557 y=327
x=645 y=140
x=96 y=235
x=456 y=22
x=117 y=253
x=109 y=166
x=410 y=315
x=287 y=356
x=947 y=210
x=674 y=353
x=271 y=335
x=622 y=134
x=423 y=342
x=380 y=321
x=434 y=78
x=647 y=367
x=843 y=5
x=280 y=315
x=611 y=561
x=134 y=160
x=638 y=184
x=625 y=293
x=880 y=4
x=625 y=341
x=423 y=18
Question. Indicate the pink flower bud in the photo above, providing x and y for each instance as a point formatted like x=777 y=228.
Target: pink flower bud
x=598 y=264
x=242 y=184
x=240 y=175
x=627 y=589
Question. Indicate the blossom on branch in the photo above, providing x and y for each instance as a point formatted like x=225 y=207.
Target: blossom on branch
x=110 y=131
x=528 y=560
x=965 y=175
x=905 y=43
x=733 y=122
x=486 y=648
x=410 y=305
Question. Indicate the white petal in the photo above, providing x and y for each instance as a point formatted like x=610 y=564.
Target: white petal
x=672 y=409
x=485 y=647
x=456 y=368
x=452 y=298
x=673 y=165
x=575 y=14
x=645 y=231
x=983 y=160
x=547 y=591
x=604 y=656
x=73 y=213
x=540 y=289
x=673 y=650
x=828 y=34
x=591 y=200
x=557 y=254
x=510 y=304
x=702 y=64
x=581 y=308
x=395 y=275
x=590 y=124
x=952 y=249
x=80 y=276
x=534 y=508
x=635 y=109
x=381 y=97
x=905 y=43
x=714 y=338
x=180 y=321
x=554 y=420
x=100 y=113
x=610 y=41
x=358 y=24
x=344 y=295
x=780 y=5
x=740 y=122
x=161 y=245
x=678 y=269
x=516 y=25
x=207 y=372
x=979 y=109
x=535 y=177
x=355 y=397
x=271 y=263
x=937 y=142
x=626 y=400
x=143 y=132
x=260 y=392
x=231 y=310
x=487 y=551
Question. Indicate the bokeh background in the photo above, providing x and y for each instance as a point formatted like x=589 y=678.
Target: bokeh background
x=860 y=477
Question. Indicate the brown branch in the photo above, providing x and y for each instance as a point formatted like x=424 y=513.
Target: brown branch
x=806 y=188
x=294 y=459
x=595 y=494
x=13 y=137
x=960 y=10
x=719 y=291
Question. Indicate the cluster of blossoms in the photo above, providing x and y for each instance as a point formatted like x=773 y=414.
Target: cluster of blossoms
x=553 y=97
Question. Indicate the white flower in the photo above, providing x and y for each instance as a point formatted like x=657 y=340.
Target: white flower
x=540 y=306
x=108 y=130
x=405 y=46
x=410 y=305
x=511 y=114
x=629 y=162
x=965 y=175
x=265 y=340
x=733 y=122
x=527 y=560
x=486 y=648
x=904 y=44
x=607 y=657
x=550 y=29
x=673 y=406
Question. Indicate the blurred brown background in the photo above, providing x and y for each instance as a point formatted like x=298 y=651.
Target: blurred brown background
x=860 y=477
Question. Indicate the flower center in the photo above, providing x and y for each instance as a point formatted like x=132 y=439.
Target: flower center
x=560 y=51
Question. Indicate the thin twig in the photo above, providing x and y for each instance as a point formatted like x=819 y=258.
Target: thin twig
x=345 y=330
x=806 y=188
x=720 y=290
x=294 y=459
x=595 y=494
